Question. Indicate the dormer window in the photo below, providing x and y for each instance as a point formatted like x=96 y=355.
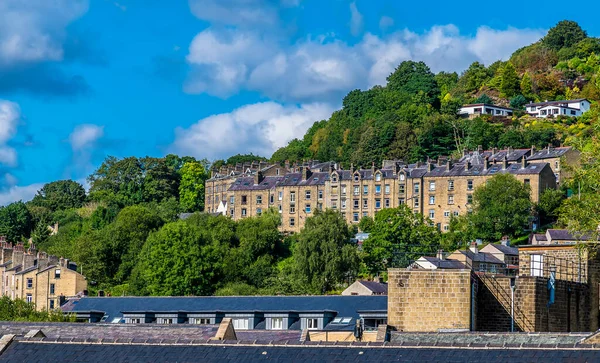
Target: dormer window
x=401 y=176
x=356 y=177
x=334 y=178
x=378 y=177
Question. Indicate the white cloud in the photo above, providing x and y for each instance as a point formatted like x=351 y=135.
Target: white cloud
x=10 y=114
x=356 y=20
x=386 y=22
x=251 y=13
x=85 y=136
x=325 y=68
x=259 y=128
x=489 y=45
x=16 y=193
x=35 y=30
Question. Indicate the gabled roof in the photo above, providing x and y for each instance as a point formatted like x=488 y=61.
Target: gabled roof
x=481 y=257
x=32 y=268
x=444 y=264
x=375 y=287
x=548 y=153
x=247 y=183
x=556 y=102
x=479 y=170
x=488 y=105
x=507 y=250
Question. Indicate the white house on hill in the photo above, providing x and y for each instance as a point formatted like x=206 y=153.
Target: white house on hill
x=565 y=107
x=478 y=109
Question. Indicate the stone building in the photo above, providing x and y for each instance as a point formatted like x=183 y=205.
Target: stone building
x=437 y=190
x=37 y=277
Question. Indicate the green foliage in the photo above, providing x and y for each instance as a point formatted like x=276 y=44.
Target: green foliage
x=510 y=84
x=21 y=310
x=191 y=188
x=581 y=213
x=564 y=34
x=15 y=221
x=366 y=224
x=60 y=195
x=475 y=77
x=178 y=260
x=398 y=237
x=518 y=102
x=502 y=207
x=547 y=207
x=324 y=254
x=484 y=99
x=414 y=78
x=237 y=289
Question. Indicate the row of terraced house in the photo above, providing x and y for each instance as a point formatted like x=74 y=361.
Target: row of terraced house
x=44 y=280
x=438 y=190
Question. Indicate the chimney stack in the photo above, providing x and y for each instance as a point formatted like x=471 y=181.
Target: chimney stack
x=486 y=163
x=504 y=163
x=467 y=165
x=474 y=248
x=448 y=165
x=532 y=149
x=523 y=162
x=440 y=254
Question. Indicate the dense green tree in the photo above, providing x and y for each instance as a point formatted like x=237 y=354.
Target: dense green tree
x=566 y=33
x=178 y=260
x=324 y=255
x=502 y=206
x=397 y=238
x=366 y=224
x=129 y=233
x=510 y=84
x=581 y=212
x=548 y=205
x=526 y=86
x=413 y=78
x=191 y=187
x=15 y=222
x=58 y=195
x=484 y=99
x=475 y=77
x=446 y=81
x=518 y=102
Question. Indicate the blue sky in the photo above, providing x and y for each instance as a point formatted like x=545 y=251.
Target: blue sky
x=84 y=79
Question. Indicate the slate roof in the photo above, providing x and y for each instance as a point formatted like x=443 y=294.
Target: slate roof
x=376 y=287
x=507 y=250
x=488 y=105
x=445 y=264
x=345 y=306
x=563 y=234
x=553 y=152
x=540 y=237
x=479 y=170
x=42 y=350
x=467 y=338
x=295 y=179
x=481 y=257
x=112 y=331
x=29 y=269
x=556 y=102
x=247 y=183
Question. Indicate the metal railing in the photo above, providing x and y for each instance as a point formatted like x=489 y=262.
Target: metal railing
x=540 y=265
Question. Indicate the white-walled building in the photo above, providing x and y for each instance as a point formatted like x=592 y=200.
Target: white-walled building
x=478 y=109
x=575 y=107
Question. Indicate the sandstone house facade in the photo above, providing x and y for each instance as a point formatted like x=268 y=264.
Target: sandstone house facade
x=438 y=190
x=42 y=279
